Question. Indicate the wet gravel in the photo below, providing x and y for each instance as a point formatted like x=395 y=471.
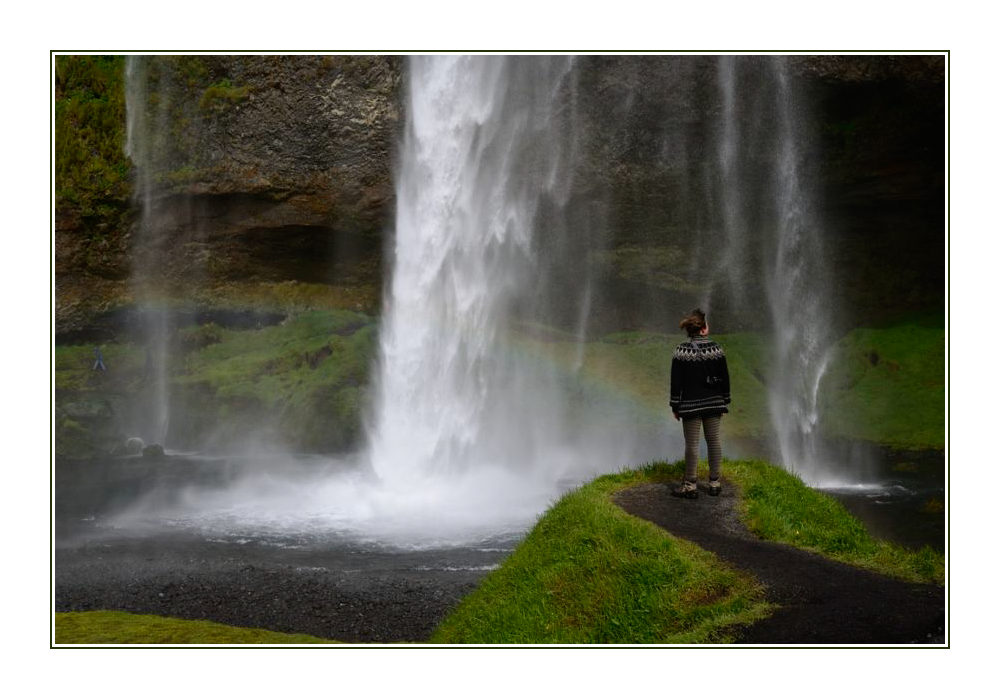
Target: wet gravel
x=338 y=592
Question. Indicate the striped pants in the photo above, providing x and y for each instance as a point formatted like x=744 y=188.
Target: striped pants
x=692 y=433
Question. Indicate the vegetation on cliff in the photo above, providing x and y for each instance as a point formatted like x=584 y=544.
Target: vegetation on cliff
x=302 y=384
x=91 y=170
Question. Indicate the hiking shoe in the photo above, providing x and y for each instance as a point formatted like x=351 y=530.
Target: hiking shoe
x=686 y=489
x=714 y=487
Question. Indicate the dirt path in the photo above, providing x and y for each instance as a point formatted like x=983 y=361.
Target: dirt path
x=822 y=602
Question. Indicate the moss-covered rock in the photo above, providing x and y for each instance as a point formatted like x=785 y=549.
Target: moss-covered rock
x=301 y=384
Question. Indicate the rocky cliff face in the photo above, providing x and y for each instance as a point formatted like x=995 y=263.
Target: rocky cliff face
x=262 y=172
x=874 y=161
x=273 y=181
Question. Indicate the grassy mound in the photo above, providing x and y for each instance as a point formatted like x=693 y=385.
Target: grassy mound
x=124 y=628
x=590 y=573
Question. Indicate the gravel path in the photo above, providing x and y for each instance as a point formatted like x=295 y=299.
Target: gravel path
x=821 y=601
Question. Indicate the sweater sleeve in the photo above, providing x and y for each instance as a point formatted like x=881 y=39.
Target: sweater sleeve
x=676 y=387
x=725 y=382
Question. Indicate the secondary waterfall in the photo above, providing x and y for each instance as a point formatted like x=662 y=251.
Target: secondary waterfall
x=773 y=245
x=799 y=297
x=488 y=145
x=143 y=126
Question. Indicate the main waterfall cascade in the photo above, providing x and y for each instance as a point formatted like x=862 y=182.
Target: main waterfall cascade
x=488 y=139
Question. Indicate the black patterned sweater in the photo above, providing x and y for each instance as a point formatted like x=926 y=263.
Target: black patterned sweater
x=699 y=378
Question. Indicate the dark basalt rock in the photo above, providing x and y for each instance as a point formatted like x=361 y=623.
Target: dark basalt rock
x=152 y=451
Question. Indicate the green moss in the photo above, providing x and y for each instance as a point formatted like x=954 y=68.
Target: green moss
x=73 y=439
x=74 y=367
x=222 y=95
x=91 y=170
x=302 y=383
x=123 y=628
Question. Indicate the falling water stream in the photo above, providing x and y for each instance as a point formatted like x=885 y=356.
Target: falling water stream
x=457 y=395
x=800 y=300
x=143 y=122
x=764 y=181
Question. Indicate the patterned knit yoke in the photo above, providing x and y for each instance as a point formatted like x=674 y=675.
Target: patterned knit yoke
x=699 y=378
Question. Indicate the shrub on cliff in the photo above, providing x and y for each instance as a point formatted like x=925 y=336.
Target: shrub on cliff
x=92 y=172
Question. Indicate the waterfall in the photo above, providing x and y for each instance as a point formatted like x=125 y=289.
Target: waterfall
x=143 y=124
x=799 y=295
x=488 y=146
x=772 y=245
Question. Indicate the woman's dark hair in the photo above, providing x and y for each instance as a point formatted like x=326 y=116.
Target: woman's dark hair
x=693 y=322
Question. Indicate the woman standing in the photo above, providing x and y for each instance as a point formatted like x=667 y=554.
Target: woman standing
x=699 y=394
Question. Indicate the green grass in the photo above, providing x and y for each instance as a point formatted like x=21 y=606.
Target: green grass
x=590 y=573
x=123 y=628
x=222 y=95
x=887 y=385
x=309 y=374
x=778 y=506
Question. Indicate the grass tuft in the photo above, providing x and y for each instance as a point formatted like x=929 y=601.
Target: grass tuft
x=124 y=628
